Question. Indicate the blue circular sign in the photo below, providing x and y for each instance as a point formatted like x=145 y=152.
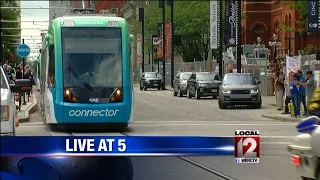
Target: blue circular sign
x=23 y=50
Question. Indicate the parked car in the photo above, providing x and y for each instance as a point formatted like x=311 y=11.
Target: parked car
x=203 y=84
x=151 y=80
x=239 y=89
x=8 y=106
x=180 y=83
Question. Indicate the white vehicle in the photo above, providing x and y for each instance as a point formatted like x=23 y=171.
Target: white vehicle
x=305 y=149
x=7 y=102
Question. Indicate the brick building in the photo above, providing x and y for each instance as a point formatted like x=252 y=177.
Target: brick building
x=108 y=5
x=265 y=18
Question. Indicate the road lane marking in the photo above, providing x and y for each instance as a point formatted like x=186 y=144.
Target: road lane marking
x=158 y=124
x=280 y=143
x=235 y=122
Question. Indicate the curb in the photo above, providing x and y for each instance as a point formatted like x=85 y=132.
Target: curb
x=282 y=119
x=32 y=108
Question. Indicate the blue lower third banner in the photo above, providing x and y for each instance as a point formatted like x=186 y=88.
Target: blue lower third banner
x=116 y=146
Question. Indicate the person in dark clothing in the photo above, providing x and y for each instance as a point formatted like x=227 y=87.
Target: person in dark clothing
x=18 y=73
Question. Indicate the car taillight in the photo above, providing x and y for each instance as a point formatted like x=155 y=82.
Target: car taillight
x=296 y=160
x=117 y=96
x=68 y=96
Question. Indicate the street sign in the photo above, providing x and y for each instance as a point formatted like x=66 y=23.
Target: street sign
x=314 y=16
x=23 y=50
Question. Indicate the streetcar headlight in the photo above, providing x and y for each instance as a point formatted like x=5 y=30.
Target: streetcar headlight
x=116 y=96
x=68 y=96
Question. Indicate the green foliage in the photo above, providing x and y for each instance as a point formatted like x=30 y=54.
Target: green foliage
x=12 y=15
x=191 y=21
x=302 y=8
x=311 y=49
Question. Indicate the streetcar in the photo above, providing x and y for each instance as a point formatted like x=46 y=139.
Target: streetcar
x=86 y=72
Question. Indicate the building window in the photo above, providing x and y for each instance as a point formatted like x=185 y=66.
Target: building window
x=286 y=34
x=258 y=31
x=277 y=29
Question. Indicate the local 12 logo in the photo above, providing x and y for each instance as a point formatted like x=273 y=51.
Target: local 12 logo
x=247 y=144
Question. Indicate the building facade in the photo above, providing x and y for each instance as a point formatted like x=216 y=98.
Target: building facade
x=108 y=5
x=58 y=9
x=265 y=18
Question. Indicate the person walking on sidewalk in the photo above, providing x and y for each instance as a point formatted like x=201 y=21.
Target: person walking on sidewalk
x=278 y=86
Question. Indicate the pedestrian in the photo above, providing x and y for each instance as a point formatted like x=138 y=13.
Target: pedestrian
x=287 y=101
x=302 y=91
x=310 y=85
x=278 y=86
x=18 y=73
x=295 y=95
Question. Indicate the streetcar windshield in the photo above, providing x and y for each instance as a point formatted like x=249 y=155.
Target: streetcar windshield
x=93 y=55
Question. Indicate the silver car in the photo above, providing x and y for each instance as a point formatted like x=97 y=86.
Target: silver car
x=239 y=89
x=180 y=83
x=8 y=106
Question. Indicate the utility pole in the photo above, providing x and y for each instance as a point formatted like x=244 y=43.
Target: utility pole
x=162 y=5
x=220 y=37
x=239 y=38
x=170 y=3
x=141 y=19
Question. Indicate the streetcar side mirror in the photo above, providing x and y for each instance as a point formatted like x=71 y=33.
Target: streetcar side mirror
x=131 y=36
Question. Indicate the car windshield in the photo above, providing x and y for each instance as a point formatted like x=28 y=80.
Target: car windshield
x=153 y=75
x=3 y=83
x=206 y=77
x=185 y=76
x=239 y=79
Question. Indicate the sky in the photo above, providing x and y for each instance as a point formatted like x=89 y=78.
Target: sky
x=40 y=16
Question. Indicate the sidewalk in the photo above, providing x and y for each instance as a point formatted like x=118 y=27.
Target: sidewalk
x=30 y=107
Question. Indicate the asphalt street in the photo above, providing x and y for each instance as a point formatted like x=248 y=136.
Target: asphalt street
x=159 y=113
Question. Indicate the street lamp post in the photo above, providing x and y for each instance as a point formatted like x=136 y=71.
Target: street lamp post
x=275 y=43
x=289 y=38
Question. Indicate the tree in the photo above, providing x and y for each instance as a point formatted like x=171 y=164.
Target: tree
x=193 y=27
x=302 y=22
x=11 y=15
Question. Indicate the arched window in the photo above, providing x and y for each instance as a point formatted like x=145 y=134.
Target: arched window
x=258 y=31
x=277 y=28
x=286 y=22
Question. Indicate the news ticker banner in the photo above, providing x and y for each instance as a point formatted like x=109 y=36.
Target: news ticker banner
x=116 y=146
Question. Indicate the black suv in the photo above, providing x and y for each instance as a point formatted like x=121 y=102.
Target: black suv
x=151 y=80
x=180 y=83
x=203 y=84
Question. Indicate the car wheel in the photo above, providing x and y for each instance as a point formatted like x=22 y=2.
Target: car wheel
x=180 y=92
x=141 y=87
x=258 y=105
x=198 y=94
x=222 y=105
x=188 y=94
x=174 y=92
